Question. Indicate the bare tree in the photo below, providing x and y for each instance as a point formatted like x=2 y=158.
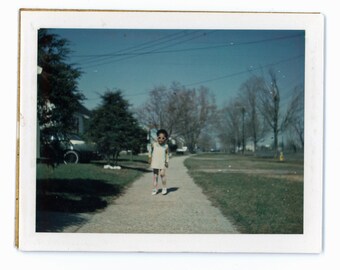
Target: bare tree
x=153 y=112
x=270 y=106
x=193 y=110
x=206 y=142
x=181 y=111
x=249 y=105
x=230 y=129
x=294 y=120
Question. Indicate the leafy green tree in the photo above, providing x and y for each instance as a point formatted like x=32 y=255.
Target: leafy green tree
x=58 y=94
x=113 y=127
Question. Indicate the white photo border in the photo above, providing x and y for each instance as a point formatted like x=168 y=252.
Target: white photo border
x=309 y=242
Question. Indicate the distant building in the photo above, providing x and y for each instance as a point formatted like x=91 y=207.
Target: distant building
x=82 y=117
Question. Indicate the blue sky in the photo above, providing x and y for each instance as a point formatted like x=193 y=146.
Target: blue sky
x=136 y=61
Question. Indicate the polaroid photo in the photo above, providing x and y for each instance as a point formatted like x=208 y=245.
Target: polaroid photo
x=170 y=131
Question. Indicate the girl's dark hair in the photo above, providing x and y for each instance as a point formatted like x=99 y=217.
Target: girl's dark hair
x=162 y=131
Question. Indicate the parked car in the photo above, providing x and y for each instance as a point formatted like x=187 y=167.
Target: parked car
x=59 y=147
x=182 y=151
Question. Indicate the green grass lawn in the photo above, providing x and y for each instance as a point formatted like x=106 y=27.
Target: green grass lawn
x=81 y=188
x=258 y=195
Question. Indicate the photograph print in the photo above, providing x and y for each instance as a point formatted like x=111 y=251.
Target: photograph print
x=170 y=131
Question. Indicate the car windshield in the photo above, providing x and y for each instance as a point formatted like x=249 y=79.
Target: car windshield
x=74 y=137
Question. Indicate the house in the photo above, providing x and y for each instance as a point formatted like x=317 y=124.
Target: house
x=82 y=117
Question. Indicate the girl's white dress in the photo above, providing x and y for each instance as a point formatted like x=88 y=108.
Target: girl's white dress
x=159 y=154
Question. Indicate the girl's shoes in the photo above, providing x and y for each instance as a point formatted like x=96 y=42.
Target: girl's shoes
x=155 y=191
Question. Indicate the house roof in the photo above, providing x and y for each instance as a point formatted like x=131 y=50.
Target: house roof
x=83 y=110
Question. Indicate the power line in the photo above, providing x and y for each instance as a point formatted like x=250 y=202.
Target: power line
x=231 y=75
x=132 y=47
x=160 y=51
x=138 y=47
x=225 y=45
x=133 y=55
x=245 y=71
x=135 y=50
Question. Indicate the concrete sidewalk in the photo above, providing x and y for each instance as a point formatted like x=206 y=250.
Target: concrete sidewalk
x=185 y=209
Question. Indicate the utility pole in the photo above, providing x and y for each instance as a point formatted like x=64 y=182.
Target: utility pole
x=243 y=131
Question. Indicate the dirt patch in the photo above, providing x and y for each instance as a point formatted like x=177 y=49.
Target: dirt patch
x=290 y=177
x=277 y=174
x=209 y=158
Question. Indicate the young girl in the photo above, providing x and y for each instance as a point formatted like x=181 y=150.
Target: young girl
x=159 y=160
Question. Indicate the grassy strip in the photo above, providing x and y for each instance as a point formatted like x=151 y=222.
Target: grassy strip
x=79 y=188
x=255 y=203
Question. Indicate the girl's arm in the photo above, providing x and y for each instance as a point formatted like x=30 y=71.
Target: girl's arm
x=167 y=156
x=150 y=153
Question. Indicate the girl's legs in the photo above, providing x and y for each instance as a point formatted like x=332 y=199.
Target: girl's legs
x=155 y=182
x=164 y=189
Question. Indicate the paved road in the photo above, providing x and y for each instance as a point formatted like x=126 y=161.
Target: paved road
x=185 y=209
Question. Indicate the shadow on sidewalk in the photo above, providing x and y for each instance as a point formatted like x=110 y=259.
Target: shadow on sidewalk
x=172 y=189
